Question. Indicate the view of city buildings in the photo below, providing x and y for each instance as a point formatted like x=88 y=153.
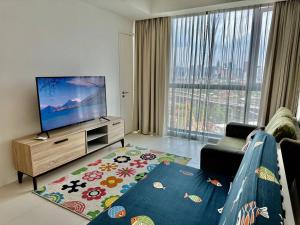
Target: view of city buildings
x=208 y=89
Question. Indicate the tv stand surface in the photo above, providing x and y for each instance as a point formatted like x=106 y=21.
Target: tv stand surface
x=42 y=134
x=104 y=118
x=35 y=158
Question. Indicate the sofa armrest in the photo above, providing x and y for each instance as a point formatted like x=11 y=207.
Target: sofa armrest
x=217 y=159
x=239 y=130
x=290 y=150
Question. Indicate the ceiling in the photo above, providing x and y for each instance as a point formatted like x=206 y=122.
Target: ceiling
x=143 y=9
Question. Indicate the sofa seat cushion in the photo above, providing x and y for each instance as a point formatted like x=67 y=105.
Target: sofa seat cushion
x=232 y=143
x=218 y=159
x=175 y=201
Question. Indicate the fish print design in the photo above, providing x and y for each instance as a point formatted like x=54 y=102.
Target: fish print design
x=187 y=173
x=166 y=162
x=220 y=210
x=214 y=182
x=266 y=174
x=141 y=220
x=239 y=192
x=230 y=186
x=258 y=143
x=194 y=198
x=281 y=218
x=116 y=212
x=159 y=185
x=241 y=169
x=248 y=213
x=246 y=146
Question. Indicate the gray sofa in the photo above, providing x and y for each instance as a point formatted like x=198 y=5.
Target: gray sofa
x=225 y=156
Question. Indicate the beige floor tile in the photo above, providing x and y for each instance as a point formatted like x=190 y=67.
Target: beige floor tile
x=17 y=200
x=48 y=214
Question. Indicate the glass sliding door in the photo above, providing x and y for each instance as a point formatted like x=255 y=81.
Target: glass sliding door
x=216 y=71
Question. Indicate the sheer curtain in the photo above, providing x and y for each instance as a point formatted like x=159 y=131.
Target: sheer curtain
x=216 y=70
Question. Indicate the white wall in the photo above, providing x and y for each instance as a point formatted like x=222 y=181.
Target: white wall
x=50 y=37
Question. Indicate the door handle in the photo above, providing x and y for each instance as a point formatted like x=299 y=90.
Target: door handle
x=124 y=93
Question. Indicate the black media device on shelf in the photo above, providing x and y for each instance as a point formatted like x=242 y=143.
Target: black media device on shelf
x=70 y=100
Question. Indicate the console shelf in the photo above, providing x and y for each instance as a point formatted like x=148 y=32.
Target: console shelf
x=92 y=137
x=97 y=143
x=34 y=158
x=95 y=146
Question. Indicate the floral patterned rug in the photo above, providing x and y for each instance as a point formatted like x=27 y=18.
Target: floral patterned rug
x=92 y=188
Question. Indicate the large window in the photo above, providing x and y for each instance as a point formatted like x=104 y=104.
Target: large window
x=217 y=63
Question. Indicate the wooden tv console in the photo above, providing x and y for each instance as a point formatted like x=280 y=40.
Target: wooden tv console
x=35 y=158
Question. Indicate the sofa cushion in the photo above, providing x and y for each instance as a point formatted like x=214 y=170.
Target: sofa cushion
x=283 y=112
x=232 y=143
x=282 y=127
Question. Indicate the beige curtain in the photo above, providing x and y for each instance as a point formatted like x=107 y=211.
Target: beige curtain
x=282 y=66
x=152 y=41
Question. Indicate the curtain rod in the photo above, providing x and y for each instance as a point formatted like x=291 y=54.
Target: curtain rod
x=268 y=5
x=218 y=7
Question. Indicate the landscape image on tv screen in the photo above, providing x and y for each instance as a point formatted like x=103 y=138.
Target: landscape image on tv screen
x=69 y=100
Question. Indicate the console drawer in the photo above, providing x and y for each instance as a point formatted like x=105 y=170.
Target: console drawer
x=51 y=154
x=116 y=125
x=115 y=131
x=114 y=138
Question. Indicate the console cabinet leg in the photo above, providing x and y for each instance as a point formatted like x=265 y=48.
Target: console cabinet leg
x=20 y=177
x=122 y=142
x=34 y=183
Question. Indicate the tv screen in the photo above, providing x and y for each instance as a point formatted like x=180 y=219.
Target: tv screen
x=65 y=101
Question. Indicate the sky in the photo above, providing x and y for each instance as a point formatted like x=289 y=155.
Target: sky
x=231 y=42
x=66 y=89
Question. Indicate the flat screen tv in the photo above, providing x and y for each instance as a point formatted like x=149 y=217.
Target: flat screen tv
x=65 y=101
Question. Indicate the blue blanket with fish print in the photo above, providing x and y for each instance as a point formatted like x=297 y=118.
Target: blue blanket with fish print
x=171 y=194
x=174 y=194
x=255 y=196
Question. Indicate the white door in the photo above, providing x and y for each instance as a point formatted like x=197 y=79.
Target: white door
x=126 y=79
